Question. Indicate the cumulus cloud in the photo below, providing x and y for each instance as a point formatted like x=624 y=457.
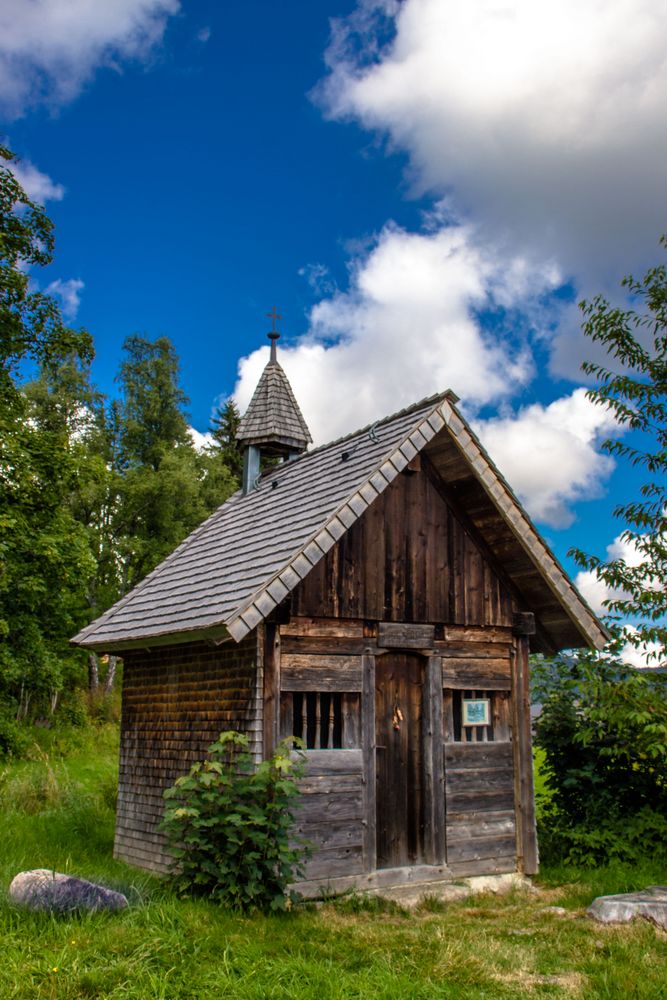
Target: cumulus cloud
x=546 y=122
x=49 y=49
x=549 y=454
x=646 y=655
x=408 y=326
x=596 y=591
x=69 y=293
x=37 y=185
x=199 y=440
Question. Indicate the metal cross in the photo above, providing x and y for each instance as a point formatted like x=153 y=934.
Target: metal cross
x=273 y=315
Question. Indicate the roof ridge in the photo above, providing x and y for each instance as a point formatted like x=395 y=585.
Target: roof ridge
x=426 y=401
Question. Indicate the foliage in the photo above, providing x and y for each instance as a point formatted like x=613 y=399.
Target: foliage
x=603 y=732
x=93 y=494
x=224 y=428
x=228 y=825
x=44 y=555
x=635 y=391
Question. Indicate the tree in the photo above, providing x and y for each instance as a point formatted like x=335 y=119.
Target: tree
x=603 y=725
x=635 y=389
x=224 y=428
x=160 y=496
x=603 y=731
x=44 y=554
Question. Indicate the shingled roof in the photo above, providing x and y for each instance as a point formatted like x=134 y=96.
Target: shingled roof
x=245 y=559
x=273 y=416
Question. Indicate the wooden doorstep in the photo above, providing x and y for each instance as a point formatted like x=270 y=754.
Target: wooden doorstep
x=383 y=878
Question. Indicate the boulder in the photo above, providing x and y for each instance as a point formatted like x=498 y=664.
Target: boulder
x=651 y=904
x=46 y=890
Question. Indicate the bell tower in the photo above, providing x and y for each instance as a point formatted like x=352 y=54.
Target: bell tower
x=273 y=424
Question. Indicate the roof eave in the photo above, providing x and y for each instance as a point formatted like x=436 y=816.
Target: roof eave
x=215 y=634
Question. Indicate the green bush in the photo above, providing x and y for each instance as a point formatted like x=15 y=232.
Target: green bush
x=603 y=735
x=228 y=826
x=13 y=738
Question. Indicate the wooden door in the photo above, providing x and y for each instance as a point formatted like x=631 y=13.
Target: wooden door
x=399 y=764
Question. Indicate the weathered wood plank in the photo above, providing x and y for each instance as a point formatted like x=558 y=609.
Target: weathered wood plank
x=334 y=862
x=465 y=680
x=478 y=649
x=321 y=627
x=480 y=779
x=325 y=835
x=351 y=720
x=487 y=866
x=523 y=759
x=460 y=756
x=434 y=780
x=415 y=874
x=330 y=784
x=326 y=645
x=403 y=635
x=458 y=634
x=502 y=818
x=478 y=848
x=369 y=764
x=480 y=801
x=323 y=806
x=271 y=688
x=300 y=672
x=484 y=666
x=325 y=762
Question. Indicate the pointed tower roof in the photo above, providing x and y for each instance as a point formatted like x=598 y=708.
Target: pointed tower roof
x=273 y=418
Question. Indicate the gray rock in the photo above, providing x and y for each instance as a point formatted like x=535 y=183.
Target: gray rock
x=651 y=904
x=45 y=890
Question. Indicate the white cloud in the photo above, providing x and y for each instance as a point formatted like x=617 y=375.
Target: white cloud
x=549 y=454
x=594 y=590
x=199 y=440
x=37 y=185
x=645 y=655
x=49 y=49
x=69 y=293
x=546 y=122
x=408 y=327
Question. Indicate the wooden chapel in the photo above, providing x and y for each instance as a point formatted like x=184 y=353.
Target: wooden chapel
x=377 y=597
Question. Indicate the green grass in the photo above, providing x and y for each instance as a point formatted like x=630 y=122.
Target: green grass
x=57 y=811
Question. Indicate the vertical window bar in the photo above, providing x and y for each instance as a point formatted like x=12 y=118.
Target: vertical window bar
x=317 y=741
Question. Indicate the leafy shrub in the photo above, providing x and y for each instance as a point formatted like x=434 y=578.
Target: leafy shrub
x=13 y=739
x=228 y=826
x=603 y=733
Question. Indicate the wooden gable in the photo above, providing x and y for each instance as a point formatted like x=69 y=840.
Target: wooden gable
x=411 y=557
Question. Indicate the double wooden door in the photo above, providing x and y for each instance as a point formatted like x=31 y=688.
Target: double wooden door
x=399 y=683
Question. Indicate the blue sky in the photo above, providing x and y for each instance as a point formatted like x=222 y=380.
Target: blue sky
x=424 y=189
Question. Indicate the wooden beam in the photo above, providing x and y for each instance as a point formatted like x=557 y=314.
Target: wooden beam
x=404 y=635
x=368 y=748
x=524 y=793
x=271 y=688
x=434 y=777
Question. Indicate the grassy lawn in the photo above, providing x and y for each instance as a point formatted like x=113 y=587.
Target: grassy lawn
x=57 y=812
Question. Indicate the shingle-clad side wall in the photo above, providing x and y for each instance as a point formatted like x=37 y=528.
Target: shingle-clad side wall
x=176 y=701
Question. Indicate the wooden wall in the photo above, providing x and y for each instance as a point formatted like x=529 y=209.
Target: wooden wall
x=410 y=558
x=176 y=702
x=478 y=799
x=330 y=814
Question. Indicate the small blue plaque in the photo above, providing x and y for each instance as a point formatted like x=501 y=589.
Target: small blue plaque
x=476 y=711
